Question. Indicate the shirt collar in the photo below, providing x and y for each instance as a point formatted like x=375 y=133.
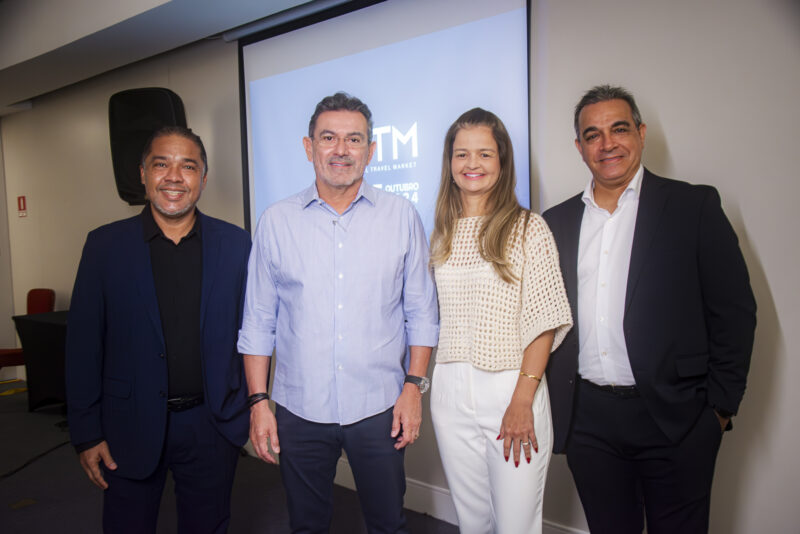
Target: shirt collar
x=632 y=190
x=369 y=193
x=310 y=194
x=150 y=228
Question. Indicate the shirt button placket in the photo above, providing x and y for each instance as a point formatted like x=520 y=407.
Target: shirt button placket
x=338 y=294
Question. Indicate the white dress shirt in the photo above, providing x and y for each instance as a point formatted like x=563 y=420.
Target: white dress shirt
x=604 y=256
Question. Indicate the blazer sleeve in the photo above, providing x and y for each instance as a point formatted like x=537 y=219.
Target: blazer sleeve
x=84 y=347
x=729 y=306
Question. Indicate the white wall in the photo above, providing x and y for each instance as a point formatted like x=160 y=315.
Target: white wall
x=717 y=83
x=8 y=336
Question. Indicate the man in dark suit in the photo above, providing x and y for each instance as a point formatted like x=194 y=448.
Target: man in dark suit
x=154 y=382
x=644 y=384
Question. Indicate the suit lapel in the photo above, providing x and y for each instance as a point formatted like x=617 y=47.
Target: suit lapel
x=143 y=273
x=211 y=254
x=569 y=251
x=651 y=204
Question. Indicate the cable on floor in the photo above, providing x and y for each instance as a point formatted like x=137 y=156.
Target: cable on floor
x=29 y=462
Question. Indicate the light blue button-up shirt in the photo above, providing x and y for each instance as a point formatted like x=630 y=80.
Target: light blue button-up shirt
x=339 y=297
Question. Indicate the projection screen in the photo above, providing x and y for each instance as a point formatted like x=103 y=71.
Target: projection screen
x=418 y=64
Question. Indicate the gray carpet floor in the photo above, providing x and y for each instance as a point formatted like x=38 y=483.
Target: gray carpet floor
x=44 y=490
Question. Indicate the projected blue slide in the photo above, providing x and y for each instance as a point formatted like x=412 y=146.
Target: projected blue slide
x=415 y=89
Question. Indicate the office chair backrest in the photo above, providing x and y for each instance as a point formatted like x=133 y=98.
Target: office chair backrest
x=41 y=300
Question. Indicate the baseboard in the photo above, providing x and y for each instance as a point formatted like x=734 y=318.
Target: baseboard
x=428 y=499
x=434 y=500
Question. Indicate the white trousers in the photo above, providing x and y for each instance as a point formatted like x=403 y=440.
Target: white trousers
x=490 y=494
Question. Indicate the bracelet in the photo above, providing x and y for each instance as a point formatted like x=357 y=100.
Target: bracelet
x=255 y=398
x=523 y=373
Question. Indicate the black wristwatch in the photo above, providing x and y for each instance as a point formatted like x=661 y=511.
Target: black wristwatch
x=422 y=382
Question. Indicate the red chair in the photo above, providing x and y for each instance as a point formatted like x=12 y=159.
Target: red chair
x=40 y=300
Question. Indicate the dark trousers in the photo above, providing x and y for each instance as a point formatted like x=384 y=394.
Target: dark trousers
x=203 y=464
x=625 y=468
x=309 y=453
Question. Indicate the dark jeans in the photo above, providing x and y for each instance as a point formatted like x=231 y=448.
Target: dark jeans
x=625 y=467
x=309 y=454
x=203 y=464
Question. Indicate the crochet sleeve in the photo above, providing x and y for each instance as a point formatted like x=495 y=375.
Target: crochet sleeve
x=544 y=299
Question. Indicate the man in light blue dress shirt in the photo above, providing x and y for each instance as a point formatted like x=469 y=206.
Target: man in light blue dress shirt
x=339 y=285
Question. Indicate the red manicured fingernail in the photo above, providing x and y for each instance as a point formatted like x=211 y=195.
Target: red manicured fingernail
x=498 y=436
x=506 y=458
x=536 y=448
x=529 y=460
x=516 y=463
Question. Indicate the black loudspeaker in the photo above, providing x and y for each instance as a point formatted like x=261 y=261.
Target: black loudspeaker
x=133 y=116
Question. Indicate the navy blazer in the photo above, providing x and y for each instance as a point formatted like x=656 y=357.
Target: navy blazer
x=689 y=311
x=116 y=372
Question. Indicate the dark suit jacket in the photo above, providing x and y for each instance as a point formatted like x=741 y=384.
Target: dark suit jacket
x=689 y=310
x=116 y=372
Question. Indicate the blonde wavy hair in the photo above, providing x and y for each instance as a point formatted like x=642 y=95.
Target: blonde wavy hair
x=502 y=208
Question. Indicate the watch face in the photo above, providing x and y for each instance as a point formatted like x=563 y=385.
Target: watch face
x=424 y=384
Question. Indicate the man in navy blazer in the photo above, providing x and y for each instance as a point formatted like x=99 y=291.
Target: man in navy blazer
x=656 y=365
x=154 y=381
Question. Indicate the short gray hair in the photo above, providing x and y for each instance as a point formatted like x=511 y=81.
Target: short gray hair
x=340 y=101
x=604 y=93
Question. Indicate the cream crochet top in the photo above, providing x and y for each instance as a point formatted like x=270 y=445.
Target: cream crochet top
x=488 y=322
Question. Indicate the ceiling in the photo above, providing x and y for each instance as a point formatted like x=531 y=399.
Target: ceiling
x=49 y=44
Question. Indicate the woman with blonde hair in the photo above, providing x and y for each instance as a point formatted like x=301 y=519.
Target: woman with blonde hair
x=502 y=309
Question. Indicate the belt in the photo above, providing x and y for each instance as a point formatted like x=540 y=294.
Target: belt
x=626 y=392
x=185 y=402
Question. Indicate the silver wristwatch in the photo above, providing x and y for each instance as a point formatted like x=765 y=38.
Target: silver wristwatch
x=422 y=382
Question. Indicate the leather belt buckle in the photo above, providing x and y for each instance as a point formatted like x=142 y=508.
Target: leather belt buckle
x=183 y=403
x=624 y=392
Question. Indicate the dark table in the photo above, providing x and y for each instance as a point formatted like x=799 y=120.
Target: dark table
x=43 y=336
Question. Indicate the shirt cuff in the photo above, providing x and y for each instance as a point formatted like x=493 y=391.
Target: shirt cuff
x=255 y=343
x=422 y=335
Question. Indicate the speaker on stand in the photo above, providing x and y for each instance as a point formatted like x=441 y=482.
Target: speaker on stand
x=133 y=116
